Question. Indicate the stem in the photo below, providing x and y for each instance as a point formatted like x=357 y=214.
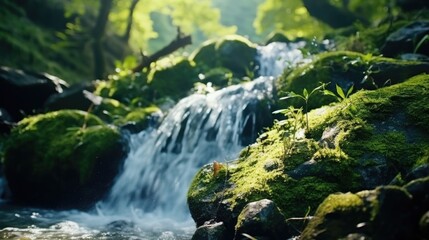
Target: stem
x=306 y=115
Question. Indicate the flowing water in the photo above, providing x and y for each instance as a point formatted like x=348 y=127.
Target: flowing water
x=148 y=199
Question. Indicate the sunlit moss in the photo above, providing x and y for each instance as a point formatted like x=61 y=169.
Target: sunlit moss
x=345 y=69
x=366 y=128
x=233 y=52
x=58 y=152
x=173 y=80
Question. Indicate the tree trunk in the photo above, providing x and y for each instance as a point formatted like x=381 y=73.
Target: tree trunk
x=98 y=34
x=130 y=20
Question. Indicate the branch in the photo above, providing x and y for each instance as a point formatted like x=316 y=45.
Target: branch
x=179 y=42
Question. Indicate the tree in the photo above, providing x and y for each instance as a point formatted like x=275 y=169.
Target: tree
x=132 y=22
x=314 y=17
x=98 y=34
x=290 y=17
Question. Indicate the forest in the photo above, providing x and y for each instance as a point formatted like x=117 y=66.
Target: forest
x=214 y=119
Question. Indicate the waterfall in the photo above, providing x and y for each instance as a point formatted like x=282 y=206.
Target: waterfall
x=275 y=57
x=200 y=129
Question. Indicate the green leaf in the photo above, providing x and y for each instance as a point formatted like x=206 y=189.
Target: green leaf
x=283 y=111
x=305 y=93
x=350 y=91
x=327 y=92
x=419 y=44
x=318 y=88
x=340 y=91
x=291 y=95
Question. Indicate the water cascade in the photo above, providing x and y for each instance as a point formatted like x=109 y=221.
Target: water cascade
x=198 y=130
x=162 y=161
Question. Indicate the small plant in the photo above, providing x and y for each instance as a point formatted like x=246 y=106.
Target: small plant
x=340 y=95
x=95 y=101
x=420 y=43
x=290 y=127
x=306 y=97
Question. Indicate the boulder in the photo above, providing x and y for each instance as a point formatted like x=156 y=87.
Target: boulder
x=361 y=142
x=344 y=69
x=63 y=159
x=262 y=219
x=406 y=40
x=71 y=98
x=388 y=212
x=174 y=79
x=235 y=53
x=210 y=231
x=22 y=93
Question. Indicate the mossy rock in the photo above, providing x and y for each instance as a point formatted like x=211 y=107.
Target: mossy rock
x=359 y=143
x=387 y=212
x=62 y=159
x=173 y=78
x=344 y=69
x=233 y=52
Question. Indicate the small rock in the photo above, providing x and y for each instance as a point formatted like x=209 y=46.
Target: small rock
x=328 y=137
x=210 y=231
x=262 y=219
x=404 y=39
x=270 y=165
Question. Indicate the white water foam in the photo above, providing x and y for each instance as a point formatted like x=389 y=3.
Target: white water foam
x=198 y=130
x=275 y=57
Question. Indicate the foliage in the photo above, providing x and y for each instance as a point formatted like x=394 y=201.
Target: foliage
x=305 y=96
x=339 y=95
x=242 y=19
x=290 y=17
x=290 y=127
x=421 y=42
x=190 y=15
x=299 y=23
x=26 y=45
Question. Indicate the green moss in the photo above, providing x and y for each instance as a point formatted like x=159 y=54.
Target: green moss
x=344 y=69
x=367 y=39
x=57 y=142
x=233 y=52
x=173 y=78
x=340 y=202
x=368 y=129
x=346 y=209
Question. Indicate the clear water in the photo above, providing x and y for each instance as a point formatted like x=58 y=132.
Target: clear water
x=148 y=199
